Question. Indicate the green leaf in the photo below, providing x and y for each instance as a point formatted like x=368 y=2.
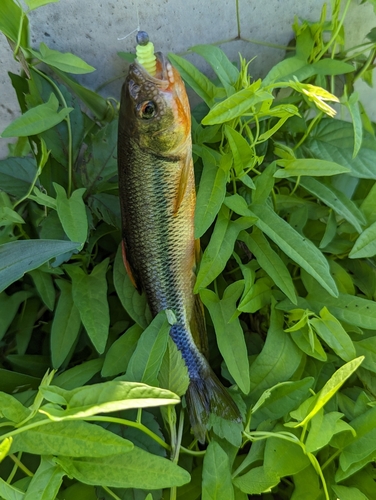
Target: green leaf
x=11 y=17
x=365 y=245
x=224 y=69
x=331 y=387
x=216 y=474
x=20 y=257
x=146 y=360
x=9 y=492
x=134 y=303
x=285 y=70
x=353 y=106
x=195 y=79
x=9 y=217
x=64 y=61
x=229 y=333
x=332 y=332
x=73 y=439
x=44 y=285
x=100 y=157
x=335 y=199
x=258 y=480
x=367 y=348
x=322 y=429
x=16 y=175
x=34 y=4
x=72 y=213
x=333 y=140
x=9 y=306
x=123 y=471
x=37 y=119
x=211 y=191
x=173 y=374
x=308 y=167
x=12 y=380
x=90 y=297
x=65 y=325
x=121 y=351
x=241 y=150
x=78 y=375
x=284 y=458
x=363 y=444
x=106 y=207
x=220 y=247
x=278 y=360
x=46 y=482
x=236 y=105
x=280 y=399
x=307 y=485
x=264 y=184
x=258 y=296
x=329 y=66
x=104 y=398
x=348 y=493
x=350 y=309
x=12 y=409
x=270 y=261
x=96 y=103
x=293 y=244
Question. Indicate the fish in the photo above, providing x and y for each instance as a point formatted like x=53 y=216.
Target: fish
x=157 y=199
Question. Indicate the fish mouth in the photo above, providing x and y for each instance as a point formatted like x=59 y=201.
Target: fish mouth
x=163 y=73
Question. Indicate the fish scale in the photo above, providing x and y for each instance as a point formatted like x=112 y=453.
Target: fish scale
x=157 y=198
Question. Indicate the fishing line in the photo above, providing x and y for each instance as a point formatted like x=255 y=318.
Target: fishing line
x=136 y=29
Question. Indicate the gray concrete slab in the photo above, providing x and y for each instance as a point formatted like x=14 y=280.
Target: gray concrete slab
x=90 y=28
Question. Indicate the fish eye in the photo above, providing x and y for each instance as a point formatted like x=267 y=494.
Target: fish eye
x=147 y=110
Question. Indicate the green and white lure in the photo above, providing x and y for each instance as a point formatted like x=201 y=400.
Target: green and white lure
x=145 y=53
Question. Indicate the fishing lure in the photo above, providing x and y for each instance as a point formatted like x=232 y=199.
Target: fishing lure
x=157 y=199
x=145 y=53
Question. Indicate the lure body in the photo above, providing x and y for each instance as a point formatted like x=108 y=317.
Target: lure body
x=157 y=196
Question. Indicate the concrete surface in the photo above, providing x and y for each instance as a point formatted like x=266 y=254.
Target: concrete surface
x=90 y=28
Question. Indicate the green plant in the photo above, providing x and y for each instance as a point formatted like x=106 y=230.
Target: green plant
x=286 y=216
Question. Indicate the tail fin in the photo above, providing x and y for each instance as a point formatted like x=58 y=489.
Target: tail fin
x=207 y=395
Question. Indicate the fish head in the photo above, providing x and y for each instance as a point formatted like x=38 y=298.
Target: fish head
x=155 y=109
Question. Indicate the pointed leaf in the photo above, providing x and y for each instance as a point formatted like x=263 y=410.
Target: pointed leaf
x=90 y=297
x=123 y=471
x=216 y=474
x=64 y=61
x=229 y=332
x=37 y=119
x=333 y=198
x=19 y=257
x=146 y=360
x=72 y=213
x=298 y=248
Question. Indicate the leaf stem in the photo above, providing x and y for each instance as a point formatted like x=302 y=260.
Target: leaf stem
x=111 y=493
x=130 y=423
x=69 y=128
x=335 y=34
x=366 y=65
x=19 y=34
x=32 y=185
x=20 y=465
x=330 y=459
x=187 y=451
x=309 y=130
